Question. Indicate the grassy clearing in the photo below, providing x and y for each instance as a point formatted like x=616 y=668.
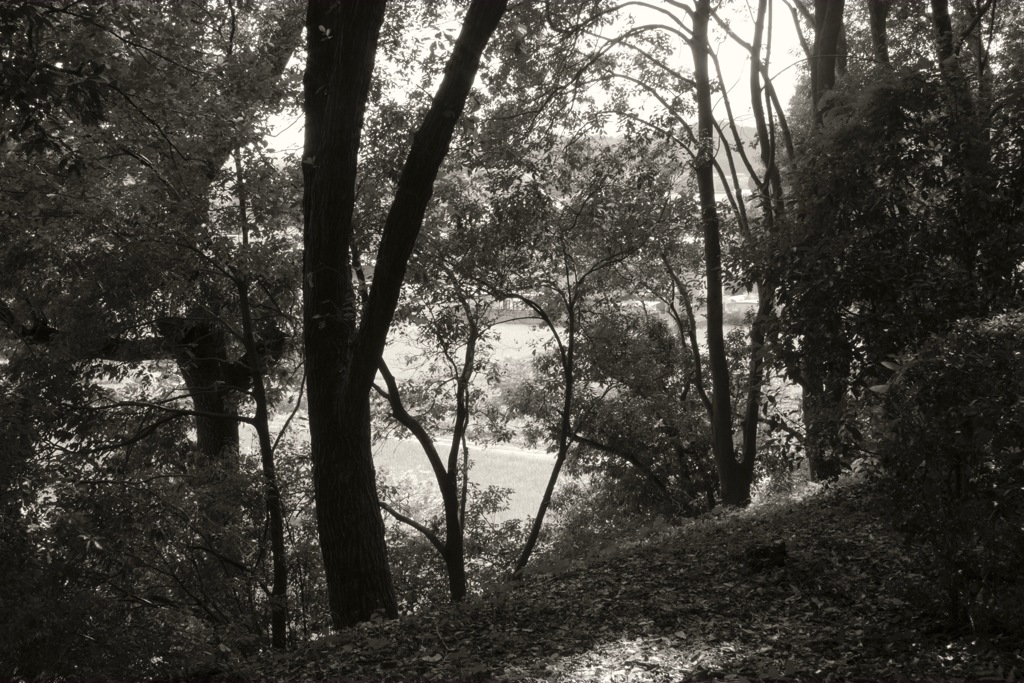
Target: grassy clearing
x=512 y=342
x=402 y=462
x=524 y=471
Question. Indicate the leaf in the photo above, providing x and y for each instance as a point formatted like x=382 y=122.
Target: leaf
x=378 y=643
x=891 y=365
x=879 y=388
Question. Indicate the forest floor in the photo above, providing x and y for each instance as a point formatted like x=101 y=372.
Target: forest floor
x=713 y=599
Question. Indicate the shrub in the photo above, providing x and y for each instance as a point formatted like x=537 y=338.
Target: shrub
x=419 y=573
x=954 y=441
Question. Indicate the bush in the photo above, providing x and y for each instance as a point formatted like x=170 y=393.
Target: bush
x=954 y=442
x=419 y=573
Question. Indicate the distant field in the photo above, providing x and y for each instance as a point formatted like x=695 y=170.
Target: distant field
x=401 y=461
x=513 y=342
x=525 y=472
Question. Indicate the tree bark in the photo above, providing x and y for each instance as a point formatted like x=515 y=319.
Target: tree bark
x=735 y=487
x=342 y=359
x=771 y=202
x=943 y=30
x=878 y=13
x=755 y=381
x=200 y=351
x=341 y=49
x=828 y=26
x=565 y=431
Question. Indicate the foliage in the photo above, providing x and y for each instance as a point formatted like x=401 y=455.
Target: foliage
x=121 y=257
x=309 y=614
x=954 y=429
x=44 y=88
x=863 y=280
x=143 y=217
x=594 y=515
x=641 y=439
x=421 y=581
x=115 y=568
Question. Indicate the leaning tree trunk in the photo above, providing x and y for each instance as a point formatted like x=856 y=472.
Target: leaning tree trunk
x=452 y=549
x=565 y=431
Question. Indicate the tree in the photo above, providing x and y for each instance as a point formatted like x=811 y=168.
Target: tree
x=950 y=440
x=530 y=74
x=734 y=477
x=638 y=63
x=124 y=221
x=457 y=323
x=577 y=218
x=828 y=27
x=933 y=177
x=342 y=355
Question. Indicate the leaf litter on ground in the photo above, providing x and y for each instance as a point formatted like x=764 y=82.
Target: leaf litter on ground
x=821 y=588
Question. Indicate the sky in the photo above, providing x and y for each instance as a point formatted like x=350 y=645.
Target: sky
x=786 y=59
x=786 y=56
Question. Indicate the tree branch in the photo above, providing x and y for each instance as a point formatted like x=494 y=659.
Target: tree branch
x=625 y=455
x=430 y=535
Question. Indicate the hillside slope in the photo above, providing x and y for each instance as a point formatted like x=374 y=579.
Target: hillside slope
x=822 y=588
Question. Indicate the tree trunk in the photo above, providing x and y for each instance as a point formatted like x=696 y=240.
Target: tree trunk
x=771 y=205
x=565 y=432
x=828 y=24
x=342 y=361
x=828 y=27
x=341 y=49
x=821 y=398
x=943 y=31
x=279 y=589
x=735 y=486
x=454 y=541
x=878 y=13
x=261 y=422
x=200 y=351
x=453 y=548
x=755 y=381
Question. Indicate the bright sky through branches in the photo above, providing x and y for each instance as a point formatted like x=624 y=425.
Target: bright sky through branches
x=785 y=66
x=786 y=56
